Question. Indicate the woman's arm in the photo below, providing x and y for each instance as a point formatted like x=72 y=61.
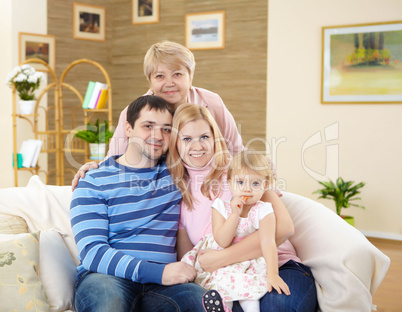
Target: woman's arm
x=183 y=243
x=118 y=143
x=284 y=224
x=246 y=249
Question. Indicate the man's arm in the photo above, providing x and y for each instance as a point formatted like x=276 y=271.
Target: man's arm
x=90 y=225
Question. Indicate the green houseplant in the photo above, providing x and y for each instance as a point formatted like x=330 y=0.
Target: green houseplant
x=97 y=135
x=342 y=192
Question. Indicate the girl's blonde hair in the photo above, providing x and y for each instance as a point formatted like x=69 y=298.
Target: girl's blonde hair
x=212 y=183
x=170 y=53
x=253 y=162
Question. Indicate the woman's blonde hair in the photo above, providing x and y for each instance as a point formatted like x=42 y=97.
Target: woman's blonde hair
x=212 y=183
x=171 y=54
x=253 y=162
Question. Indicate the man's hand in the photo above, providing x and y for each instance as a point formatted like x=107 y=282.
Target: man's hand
x=178 y=273
x=82 y=171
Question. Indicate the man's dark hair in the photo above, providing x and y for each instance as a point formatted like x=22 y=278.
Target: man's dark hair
x=152 y=101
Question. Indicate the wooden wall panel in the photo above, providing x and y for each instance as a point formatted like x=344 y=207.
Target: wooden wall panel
x=237 y=72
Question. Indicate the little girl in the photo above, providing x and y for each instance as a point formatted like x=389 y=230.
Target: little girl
x=249 y=176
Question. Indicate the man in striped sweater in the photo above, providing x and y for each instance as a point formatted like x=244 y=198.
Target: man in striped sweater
x=124 y=217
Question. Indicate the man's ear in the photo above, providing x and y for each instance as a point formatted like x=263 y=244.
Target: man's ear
x=128 y=129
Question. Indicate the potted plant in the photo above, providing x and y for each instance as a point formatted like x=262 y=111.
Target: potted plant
x=342 y=193
x=26 y=80
x=97 y=136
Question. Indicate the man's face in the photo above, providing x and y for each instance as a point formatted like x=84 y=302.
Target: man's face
x=149 y=139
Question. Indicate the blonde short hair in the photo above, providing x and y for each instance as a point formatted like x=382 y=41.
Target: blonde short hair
x=171 y=54
x=253 y=162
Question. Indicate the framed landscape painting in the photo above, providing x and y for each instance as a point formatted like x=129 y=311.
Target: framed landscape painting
x=145 y=11
x=362 y=63
x=88 y=22
x=205 y=30
x=37 y=46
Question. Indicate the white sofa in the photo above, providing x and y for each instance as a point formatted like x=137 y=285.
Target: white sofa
x=347 y=267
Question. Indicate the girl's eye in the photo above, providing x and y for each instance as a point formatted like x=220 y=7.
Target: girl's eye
x=178 y=74
x=186 y=139
x=159 y=76
x=240 y=182
x=204 y=137
x=256 y=184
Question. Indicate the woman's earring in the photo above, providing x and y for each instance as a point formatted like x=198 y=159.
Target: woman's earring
x=152 y=92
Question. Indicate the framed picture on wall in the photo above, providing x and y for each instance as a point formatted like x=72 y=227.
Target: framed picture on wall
x=88 y=22
x=37 y=46
x=362 y=63
x=145 y=11
x=205 y=30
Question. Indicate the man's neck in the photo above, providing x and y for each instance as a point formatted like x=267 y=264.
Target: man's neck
x=131 y=161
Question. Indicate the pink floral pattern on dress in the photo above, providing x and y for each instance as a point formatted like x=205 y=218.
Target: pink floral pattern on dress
x=241 y=281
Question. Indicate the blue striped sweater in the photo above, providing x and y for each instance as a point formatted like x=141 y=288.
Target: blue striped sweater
x=125 y=221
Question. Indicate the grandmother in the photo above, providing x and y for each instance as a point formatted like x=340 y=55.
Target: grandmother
x=169 y=68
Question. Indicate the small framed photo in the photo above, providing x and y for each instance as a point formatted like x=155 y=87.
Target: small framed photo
x=38 y=46
x=89 y=22
x=145 y=11
x=205 y=30
x=362 y=63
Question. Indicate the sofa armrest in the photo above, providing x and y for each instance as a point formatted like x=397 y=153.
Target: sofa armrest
x=347 y=267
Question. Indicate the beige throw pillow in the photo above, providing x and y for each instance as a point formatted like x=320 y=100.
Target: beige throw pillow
x=20 y=286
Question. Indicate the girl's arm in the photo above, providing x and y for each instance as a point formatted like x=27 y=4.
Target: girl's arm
x=183 y=243
x=270 y=253
x=225 y=230
x=284 y=224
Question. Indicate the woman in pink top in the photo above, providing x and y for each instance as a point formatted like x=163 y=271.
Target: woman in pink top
x=198 y=160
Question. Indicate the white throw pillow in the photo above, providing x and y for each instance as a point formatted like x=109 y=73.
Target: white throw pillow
x=57 y=271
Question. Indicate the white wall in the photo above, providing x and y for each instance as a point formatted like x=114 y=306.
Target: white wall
x=15 y=16
x=369 y=145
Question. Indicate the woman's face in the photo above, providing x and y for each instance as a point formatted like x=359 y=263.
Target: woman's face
x=171 y=84
x=195 y=143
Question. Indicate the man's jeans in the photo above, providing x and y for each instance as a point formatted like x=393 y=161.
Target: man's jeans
x=303 y=294
x=97 y=292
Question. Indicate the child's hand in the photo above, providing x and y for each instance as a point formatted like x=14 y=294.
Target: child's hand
x=279 y=285
x=237 y=205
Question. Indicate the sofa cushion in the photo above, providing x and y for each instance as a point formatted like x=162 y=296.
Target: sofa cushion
x=12 y=225
x=57 y=271
x=347 y=268
x=20 y=286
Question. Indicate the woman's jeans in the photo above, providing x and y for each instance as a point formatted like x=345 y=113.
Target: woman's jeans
x=97 y=292
x=303 y=294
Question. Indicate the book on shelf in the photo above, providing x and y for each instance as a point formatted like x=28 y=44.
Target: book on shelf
x=29 y=151
x=88 y=94
x=96 y=94
x=103 y=96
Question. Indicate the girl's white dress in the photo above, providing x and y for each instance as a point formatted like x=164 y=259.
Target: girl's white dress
x=241 y=281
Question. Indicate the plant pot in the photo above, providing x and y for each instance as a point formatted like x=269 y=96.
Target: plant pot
x=349 y=219
x=26 y=107
x=97 y=151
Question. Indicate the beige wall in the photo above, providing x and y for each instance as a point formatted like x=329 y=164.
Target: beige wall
x=15 y=16
x=369 y=136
